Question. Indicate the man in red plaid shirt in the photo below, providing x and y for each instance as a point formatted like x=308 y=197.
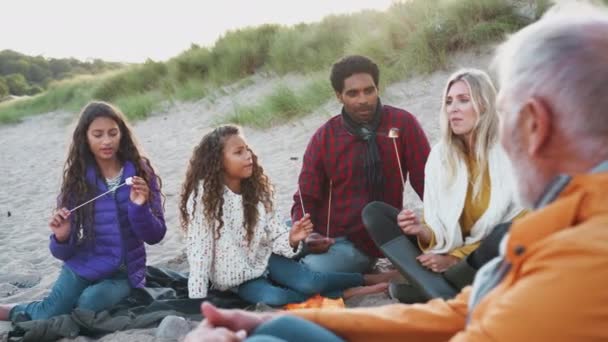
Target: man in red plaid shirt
x=351 y=161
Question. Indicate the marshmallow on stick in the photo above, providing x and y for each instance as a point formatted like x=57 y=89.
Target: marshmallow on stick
x=128 y=181
x=394 y=134
x=331 y=185
x=295 y=159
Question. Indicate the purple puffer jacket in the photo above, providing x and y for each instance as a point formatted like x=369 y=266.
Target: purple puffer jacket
x=121 y=228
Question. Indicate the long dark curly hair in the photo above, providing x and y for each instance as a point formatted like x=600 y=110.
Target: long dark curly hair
x=75 y=189
x=206 y=168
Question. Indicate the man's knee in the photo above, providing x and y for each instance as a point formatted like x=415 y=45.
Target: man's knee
x=310 y=286
x=268 y=297
x=318 y=262
x=349 y=263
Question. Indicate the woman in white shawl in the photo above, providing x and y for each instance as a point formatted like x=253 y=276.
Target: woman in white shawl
x=468 y=186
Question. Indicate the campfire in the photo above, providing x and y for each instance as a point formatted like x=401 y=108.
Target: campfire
x=316 y=302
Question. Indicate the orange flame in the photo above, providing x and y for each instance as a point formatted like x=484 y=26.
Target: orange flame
x=316 y=302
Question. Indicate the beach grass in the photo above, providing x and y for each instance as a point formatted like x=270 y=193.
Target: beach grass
x=281 y=105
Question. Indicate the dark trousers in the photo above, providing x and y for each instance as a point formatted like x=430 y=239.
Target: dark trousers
x=380 y=219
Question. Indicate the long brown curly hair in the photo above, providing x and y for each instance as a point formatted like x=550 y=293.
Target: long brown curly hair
x=75 y=189
x=206 y=167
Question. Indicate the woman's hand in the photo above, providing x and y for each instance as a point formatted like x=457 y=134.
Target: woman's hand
x=140 y=191
x=437 y=262
x=60 y=224
x=300 y=230
x=409 y=223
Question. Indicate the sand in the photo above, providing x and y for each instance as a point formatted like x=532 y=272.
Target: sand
x=33 y=153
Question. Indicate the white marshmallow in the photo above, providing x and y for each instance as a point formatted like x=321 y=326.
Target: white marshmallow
x=393 y=133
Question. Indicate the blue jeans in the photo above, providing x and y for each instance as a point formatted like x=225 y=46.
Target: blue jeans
x=71 y=290
x=292 y=329
x=289 y=281
x=342 y=256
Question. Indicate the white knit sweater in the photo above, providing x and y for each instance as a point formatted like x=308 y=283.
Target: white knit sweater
x=443 y=202
x=234 y=261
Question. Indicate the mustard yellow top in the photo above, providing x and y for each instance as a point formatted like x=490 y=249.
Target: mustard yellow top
x=474 y=208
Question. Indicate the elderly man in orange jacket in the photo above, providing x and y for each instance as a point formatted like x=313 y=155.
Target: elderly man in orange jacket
x=550 y=280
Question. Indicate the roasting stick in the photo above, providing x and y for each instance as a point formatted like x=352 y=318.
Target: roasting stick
x=128 y=181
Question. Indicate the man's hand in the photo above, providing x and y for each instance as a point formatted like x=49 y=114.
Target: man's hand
x=437 y=262
x=206 y=333
x=318 y=244
x=222 y=325
x=300 y=230
x=234 y=320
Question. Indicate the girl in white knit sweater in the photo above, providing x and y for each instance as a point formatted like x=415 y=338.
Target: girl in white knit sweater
x=235 y=240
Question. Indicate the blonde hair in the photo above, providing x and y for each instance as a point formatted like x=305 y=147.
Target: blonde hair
x=485 y=131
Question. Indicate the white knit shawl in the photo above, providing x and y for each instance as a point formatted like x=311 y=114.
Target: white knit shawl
x=443 y=203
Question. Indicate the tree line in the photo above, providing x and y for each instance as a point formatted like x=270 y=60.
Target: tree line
x=29 y=75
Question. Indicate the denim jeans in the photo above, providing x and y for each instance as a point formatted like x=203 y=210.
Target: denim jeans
x=342 y=256
x=71 y=290
x=289 y=281
x=292 y=329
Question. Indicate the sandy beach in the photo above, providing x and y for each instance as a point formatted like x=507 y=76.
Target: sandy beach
x=33 y=153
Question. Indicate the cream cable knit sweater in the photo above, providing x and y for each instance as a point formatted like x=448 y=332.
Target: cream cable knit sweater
x=234 y=261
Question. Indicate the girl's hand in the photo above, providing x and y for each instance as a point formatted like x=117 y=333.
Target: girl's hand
x=300 y=230
x=60 y=224
x=437 y=262
x=139 y=191
x=409 y=223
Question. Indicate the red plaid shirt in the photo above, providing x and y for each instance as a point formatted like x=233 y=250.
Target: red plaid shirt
x=334 y=154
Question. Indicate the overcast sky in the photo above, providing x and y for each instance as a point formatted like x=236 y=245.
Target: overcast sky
x=133 y=30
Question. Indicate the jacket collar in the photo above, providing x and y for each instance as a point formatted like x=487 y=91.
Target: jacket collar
x=94 y=179
x=575 y=199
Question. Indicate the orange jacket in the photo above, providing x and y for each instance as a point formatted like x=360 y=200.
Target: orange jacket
x=556 y=290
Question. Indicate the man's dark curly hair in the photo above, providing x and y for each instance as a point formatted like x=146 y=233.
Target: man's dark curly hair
x=350 y=65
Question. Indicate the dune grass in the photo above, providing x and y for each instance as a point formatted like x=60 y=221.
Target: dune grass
x=410 y=37
x=139 y=106
x=190 y=90
x=283 y=104
x=67 y=95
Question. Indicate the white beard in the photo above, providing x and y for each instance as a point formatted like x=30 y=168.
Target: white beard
x=530 y=185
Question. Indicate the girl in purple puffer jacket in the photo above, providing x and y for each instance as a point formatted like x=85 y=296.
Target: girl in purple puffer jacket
x=101 y=243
